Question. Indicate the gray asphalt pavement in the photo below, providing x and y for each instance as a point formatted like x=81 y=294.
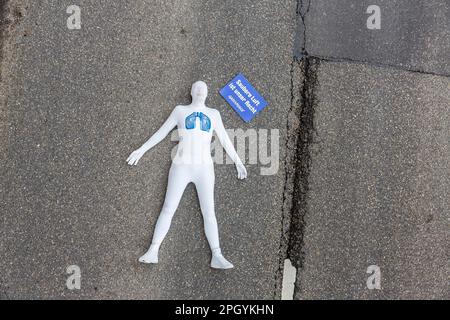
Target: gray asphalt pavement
x=364 y=169
x=373 y=165
x=413 y=34
x=82 y=100
x=378 y=185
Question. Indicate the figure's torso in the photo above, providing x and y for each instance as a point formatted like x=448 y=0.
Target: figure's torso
x=195 y=128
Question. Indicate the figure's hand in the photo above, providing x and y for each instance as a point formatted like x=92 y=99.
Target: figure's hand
x=135 y=156
x=242 y=172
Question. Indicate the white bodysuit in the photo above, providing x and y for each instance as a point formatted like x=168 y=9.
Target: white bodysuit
x=192 y=163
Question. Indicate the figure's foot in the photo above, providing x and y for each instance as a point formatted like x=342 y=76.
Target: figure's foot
x=151 y=256
x=219 y=262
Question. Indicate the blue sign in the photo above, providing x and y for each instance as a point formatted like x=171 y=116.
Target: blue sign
x=243 y=98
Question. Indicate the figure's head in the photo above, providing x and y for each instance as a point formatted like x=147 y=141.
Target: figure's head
x=199 y=91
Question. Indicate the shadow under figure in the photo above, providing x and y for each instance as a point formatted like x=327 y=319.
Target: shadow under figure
x=192 y=163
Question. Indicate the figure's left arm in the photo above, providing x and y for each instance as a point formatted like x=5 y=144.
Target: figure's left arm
x=229 y=147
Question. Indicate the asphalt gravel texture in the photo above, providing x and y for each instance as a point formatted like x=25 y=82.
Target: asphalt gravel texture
x=363 y=173
x=82 y=100
x=413 y=34
x=378 y=185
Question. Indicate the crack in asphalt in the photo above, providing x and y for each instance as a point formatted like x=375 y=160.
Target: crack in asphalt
x=291 y=142
x=302 y=160
x=378 y=64
x=300 y=136
x=301 y=11
x=300 y=130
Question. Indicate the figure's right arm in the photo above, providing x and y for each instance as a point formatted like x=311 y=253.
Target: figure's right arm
x=162 y=132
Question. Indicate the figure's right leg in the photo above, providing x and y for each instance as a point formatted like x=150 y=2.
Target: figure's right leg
x=178 y=180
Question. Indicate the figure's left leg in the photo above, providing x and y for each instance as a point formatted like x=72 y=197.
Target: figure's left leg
x=205 y=190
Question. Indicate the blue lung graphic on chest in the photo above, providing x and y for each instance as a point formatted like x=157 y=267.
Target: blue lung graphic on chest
x=205 y=122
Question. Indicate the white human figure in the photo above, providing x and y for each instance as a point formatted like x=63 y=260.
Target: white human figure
x=192 y=163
